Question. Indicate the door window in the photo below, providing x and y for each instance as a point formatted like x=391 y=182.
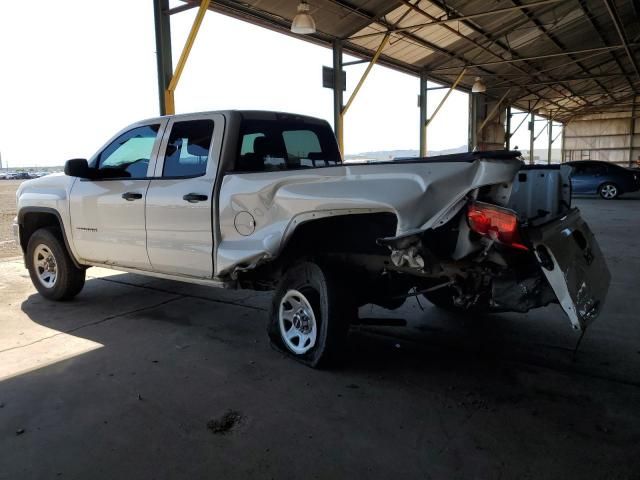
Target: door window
x=188 y=149
x=128 y=155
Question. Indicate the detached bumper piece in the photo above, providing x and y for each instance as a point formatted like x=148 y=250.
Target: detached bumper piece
x=572 y=262
x=511 y=294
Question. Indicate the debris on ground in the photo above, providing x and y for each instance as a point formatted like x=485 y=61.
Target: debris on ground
x=225 y=423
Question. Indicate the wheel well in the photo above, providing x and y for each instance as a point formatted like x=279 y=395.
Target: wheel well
x=342 y=234
x=32 y=221
x=345 y=236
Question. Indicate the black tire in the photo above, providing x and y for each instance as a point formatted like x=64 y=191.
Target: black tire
x=332 y=313
x=69 y=279
x=609 y=191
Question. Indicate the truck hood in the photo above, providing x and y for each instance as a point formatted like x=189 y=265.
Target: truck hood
x=259 y=211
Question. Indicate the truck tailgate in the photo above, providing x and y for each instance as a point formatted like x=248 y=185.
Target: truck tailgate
x=573 y=264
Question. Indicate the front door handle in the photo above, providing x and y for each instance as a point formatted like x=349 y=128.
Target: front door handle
x=194 y=197
x=130 y=196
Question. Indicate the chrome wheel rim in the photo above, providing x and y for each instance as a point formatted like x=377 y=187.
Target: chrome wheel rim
x=298 y=327
x=609 y=191
x=45 y=266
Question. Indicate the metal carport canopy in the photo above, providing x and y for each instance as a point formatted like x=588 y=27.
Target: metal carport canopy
x=568 y=57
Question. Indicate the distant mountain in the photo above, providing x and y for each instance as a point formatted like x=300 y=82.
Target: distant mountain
x=385 y=155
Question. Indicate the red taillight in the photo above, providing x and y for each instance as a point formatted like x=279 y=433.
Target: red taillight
x=496 y=223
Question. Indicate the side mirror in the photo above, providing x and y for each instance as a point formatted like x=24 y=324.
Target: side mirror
x=77 y=167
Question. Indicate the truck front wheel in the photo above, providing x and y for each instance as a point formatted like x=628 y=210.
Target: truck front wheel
x=310 y=315
x=50 y=267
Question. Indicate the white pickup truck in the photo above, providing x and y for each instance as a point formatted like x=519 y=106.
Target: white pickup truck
x=262 y=200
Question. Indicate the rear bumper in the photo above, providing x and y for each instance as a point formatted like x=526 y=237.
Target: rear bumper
x=572 y=262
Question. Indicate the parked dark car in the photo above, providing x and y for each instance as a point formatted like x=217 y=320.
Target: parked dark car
x=590 y=177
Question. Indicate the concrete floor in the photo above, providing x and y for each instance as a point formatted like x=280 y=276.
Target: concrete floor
x=122 y=381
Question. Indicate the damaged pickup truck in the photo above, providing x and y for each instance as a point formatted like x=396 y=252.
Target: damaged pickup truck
x=262 y=200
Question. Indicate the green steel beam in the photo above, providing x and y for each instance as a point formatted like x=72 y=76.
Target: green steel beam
x=163 y=49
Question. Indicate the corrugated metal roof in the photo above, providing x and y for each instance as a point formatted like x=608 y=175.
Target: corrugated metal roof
x=567 y=56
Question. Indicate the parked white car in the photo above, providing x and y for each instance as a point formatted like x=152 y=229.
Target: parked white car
x=261 y=200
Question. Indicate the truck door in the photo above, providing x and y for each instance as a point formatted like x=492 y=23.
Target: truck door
x=180 y=216
x=107 y=213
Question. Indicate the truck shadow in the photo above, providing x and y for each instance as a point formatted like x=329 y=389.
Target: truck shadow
x=173 y=356
x=238 y=319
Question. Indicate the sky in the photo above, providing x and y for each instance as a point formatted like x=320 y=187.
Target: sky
x=76 y=72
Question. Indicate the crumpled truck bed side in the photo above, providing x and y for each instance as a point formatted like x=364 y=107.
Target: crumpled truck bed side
x=258 y=212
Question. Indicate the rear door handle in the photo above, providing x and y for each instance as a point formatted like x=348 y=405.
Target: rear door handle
x=194 y=197
x=130 y=196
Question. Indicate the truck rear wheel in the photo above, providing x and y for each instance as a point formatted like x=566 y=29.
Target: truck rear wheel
x=50 y=267
x=310 y=315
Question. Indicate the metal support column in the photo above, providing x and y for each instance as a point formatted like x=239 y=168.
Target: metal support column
x=507 y=133
x=550 y=141
x=532 y=126
x=423 y=115
x=186 y=50
x=491 y=113
x=163 y=49
x=564 y=129
x=632 y=131
x=473 y=115
x=338 y=126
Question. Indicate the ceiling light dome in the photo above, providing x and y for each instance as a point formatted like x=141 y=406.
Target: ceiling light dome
x=303 y=23
x=478 y=86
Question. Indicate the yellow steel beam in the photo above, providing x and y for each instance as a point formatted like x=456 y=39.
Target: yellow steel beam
x=444 y=99
x=373 y=61
x=168 y=94
x=492 y=112
x=340 y=134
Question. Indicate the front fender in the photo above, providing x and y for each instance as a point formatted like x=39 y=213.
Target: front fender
x=49 y=195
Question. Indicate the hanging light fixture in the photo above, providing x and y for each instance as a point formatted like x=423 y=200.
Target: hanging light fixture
x=478 y=86
x=303 y=23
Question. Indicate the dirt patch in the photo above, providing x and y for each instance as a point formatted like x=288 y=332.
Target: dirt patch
x=225 y=423
x=8 y=248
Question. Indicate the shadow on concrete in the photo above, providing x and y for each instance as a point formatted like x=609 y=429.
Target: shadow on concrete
x=541 y=338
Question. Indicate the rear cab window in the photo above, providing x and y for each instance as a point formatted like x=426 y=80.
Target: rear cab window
x=285 y=143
